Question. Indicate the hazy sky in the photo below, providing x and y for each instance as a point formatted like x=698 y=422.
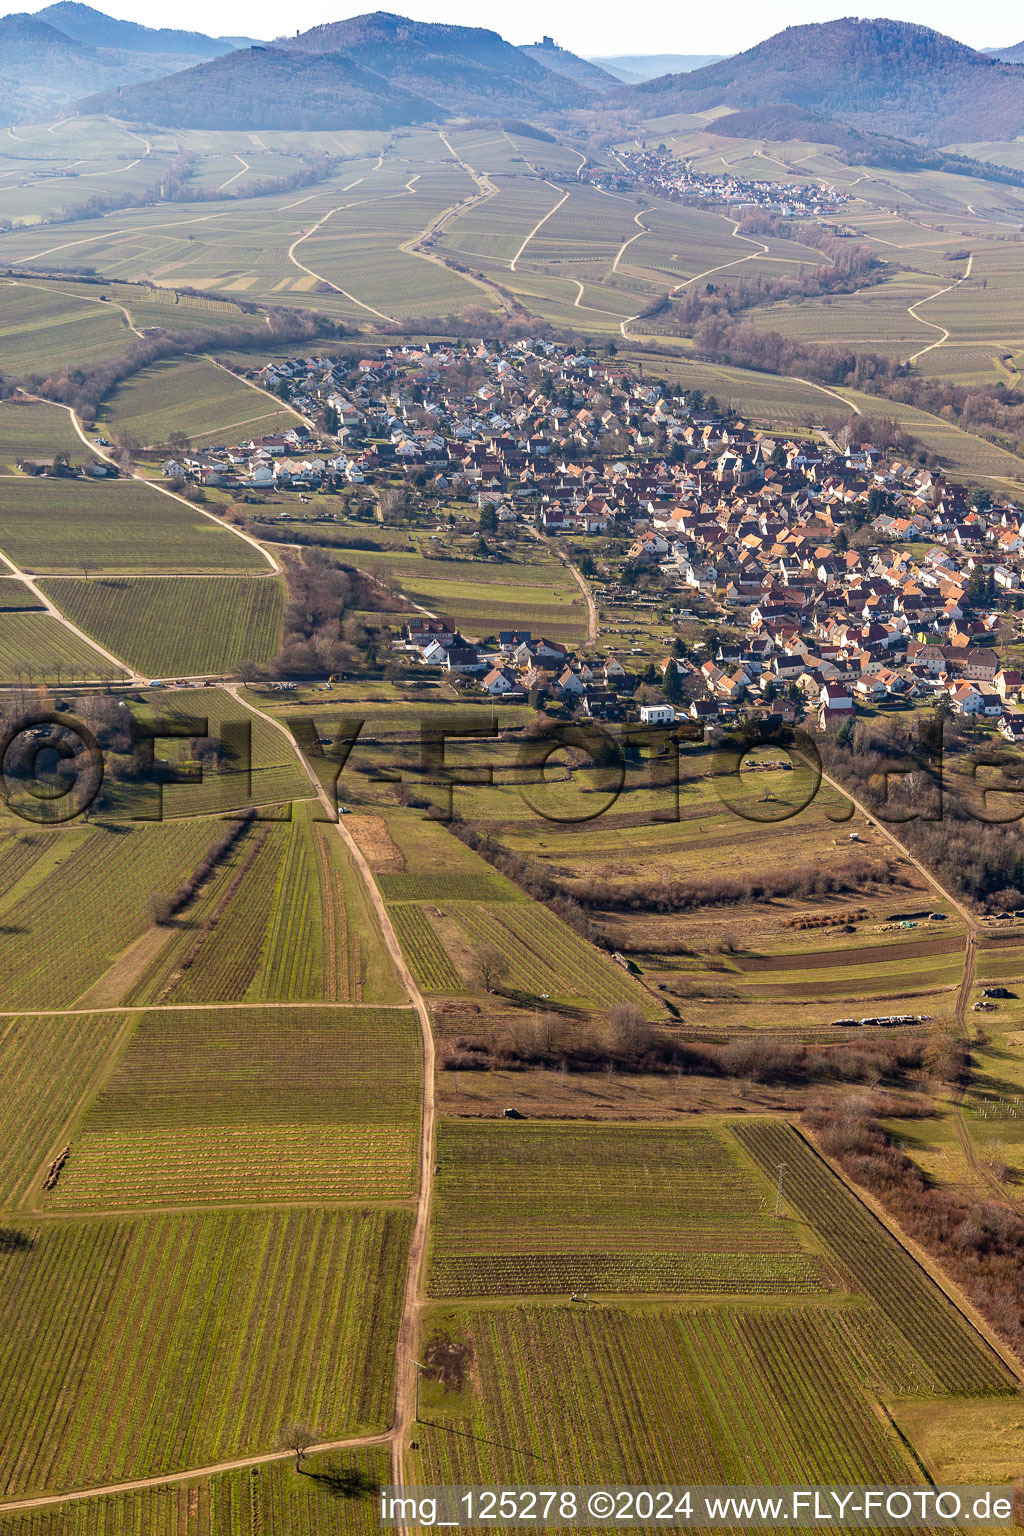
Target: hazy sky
x=644 y=26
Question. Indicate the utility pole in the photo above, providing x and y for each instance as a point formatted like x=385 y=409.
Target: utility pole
x=782 y=1168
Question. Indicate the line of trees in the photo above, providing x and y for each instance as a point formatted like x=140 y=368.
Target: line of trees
x=625 y=1041
x=166 y=908
x=979 y=1243
x=979 y=861
x=324 y=625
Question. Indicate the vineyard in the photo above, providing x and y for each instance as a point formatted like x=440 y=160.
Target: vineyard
x=523 y=1209
x=252 y=1104
x=268 y=773
x=77 y=911
x=133 y=1347
x=709 y=1395
x=335 y=1492
x=453 y=886
x=215 y=952
x=15 y=597
x=423 y=949
x=730 y=1274
x=39 y=646
x=956 y=1357
x=545 y=958
x=46 y=1062
x=307 y=946
x=160 y=625
x=53 y=525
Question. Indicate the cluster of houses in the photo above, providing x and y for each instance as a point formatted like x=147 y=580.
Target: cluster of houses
x=299 y=458
x=658 y=172
x=849 y=576
x=519 y=666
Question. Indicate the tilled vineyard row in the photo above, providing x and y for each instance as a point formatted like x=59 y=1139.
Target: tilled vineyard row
x=430 y=961
x=66 y=936
x=546 y=958
x=439 y=885
x=956 y=1356
x=45 y=1063
x=252 y=1104
x=134 y=1347
x=560 y=1273
x=705 y=1395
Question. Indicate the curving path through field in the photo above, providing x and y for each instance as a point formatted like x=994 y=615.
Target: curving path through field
x=167 y=1478
x=21 y=282
x=912 y=312
x=539 y=224
x=762 y=250
x=37 y=592
x=970 y=1151
x=245 y=167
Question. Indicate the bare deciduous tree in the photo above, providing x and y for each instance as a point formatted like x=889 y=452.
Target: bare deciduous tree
x=298 y=1438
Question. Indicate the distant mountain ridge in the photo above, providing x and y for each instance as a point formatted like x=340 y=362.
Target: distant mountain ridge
x=42 y=69
x=464 y=69
x=634 y=68
x=264 y=87
x=372 y=71
x=49 y=59
x=87 y=25
x=888 y=77
x=1012 y=55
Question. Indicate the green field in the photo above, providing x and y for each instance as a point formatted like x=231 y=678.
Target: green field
x=37 y=646
x=283 y=918
x=335 y=1491
x=951 y=1354
x=83 y=900
x=55 y=525
x=546 y=958
x=262 y=770
x=42 y=327
x=707 y=1395
x=290 y=1104
x=560 y=1207
x=36 y=431
x=162 y=626
x=138 y=1346
x=191 y=395
x=47 y=1062
x=531 y=590
x=15 y=596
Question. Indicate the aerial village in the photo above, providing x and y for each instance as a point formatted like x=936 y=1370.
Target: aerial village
x=829 y=577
